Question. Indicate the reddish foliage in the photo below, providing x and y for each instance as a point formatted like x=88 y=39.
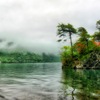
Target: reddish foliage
x=80 y=47
x=97 y=43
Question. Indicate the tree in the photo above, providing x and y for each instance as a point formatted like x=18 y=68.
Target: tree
x=62 y=33
x=66 y=56
x=96 y=36
x=98 y=25
x=84 y=36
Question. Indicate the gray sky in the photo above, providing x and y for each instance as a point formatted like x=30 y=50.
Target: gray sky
x=32 y=24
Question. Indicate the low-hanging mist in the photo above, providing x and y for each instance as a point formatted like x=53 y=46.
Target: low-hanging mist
x=32 y=24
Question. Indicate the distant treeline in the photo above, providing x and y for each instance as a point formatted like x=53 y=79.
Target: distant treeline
x=27 y=57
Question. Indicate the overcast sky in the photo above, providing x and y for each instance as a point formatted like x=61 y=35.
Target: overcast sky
x=33 y=24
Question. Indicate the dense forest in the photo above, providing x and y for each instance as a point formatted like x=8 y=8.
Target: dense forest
x=27 y=57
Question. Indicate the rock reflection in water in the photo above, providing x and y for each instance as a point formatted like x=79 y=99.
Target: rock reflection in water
x=47 y=82
x=85 y=84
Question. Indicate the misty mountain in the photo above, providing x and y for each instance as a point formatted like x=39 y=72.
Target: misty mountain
x=8 y=45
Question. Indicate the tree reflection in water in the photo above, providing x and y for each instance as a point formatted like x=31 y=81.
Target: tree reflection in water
x=81 y=84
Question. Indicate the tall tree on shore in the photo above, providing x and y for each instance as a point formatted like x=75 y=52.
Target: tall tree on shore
x=63 y=30
x=96 y=35
x=84 y=36
x=98 y=25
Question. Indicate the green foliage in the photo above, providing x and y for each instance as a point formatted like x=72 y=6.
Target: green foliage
x=82 y=29
x=98 y=25
x=50 y=58
x=66 y=56
x=86 y=81
x=84 y=36
x=83 y=47
x=26 y=57
x=63 y=29
x=66 y=52
x=96 y=36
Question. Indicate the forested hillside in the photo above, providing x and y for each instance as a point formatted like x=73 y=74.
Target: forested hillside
x=26 y=57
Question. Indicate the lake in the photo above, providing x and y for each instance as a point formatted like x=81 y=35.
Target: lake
x=47 y=81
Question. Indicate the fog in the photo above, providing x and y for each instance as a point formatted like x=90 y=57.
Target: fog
x=32 y=24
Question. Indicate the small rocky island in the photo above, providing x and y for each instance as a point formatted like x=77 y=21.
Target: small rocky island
x=85 y=52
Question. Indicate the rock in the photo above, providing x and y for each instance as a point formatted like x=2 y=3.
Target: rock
x=93 y=62
x=79 y=66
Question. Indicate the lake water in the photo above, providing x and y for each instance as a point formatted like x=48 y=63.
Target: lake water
x=47 y=81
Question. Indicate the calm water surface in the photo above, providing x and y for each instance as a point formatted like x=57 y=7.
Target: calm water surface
x=47 y=81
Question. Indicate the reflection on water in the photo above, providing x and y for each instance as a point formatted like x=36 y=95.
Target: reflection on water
x=30 y=81
x=47 y=82
x=81 y=84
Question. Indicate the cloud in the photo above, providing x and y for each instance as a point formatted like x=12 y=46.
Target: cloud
x=32 y=24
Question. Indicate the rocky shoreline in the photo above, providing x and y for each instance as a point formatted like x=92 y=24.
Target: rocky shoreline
x=93 y=62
